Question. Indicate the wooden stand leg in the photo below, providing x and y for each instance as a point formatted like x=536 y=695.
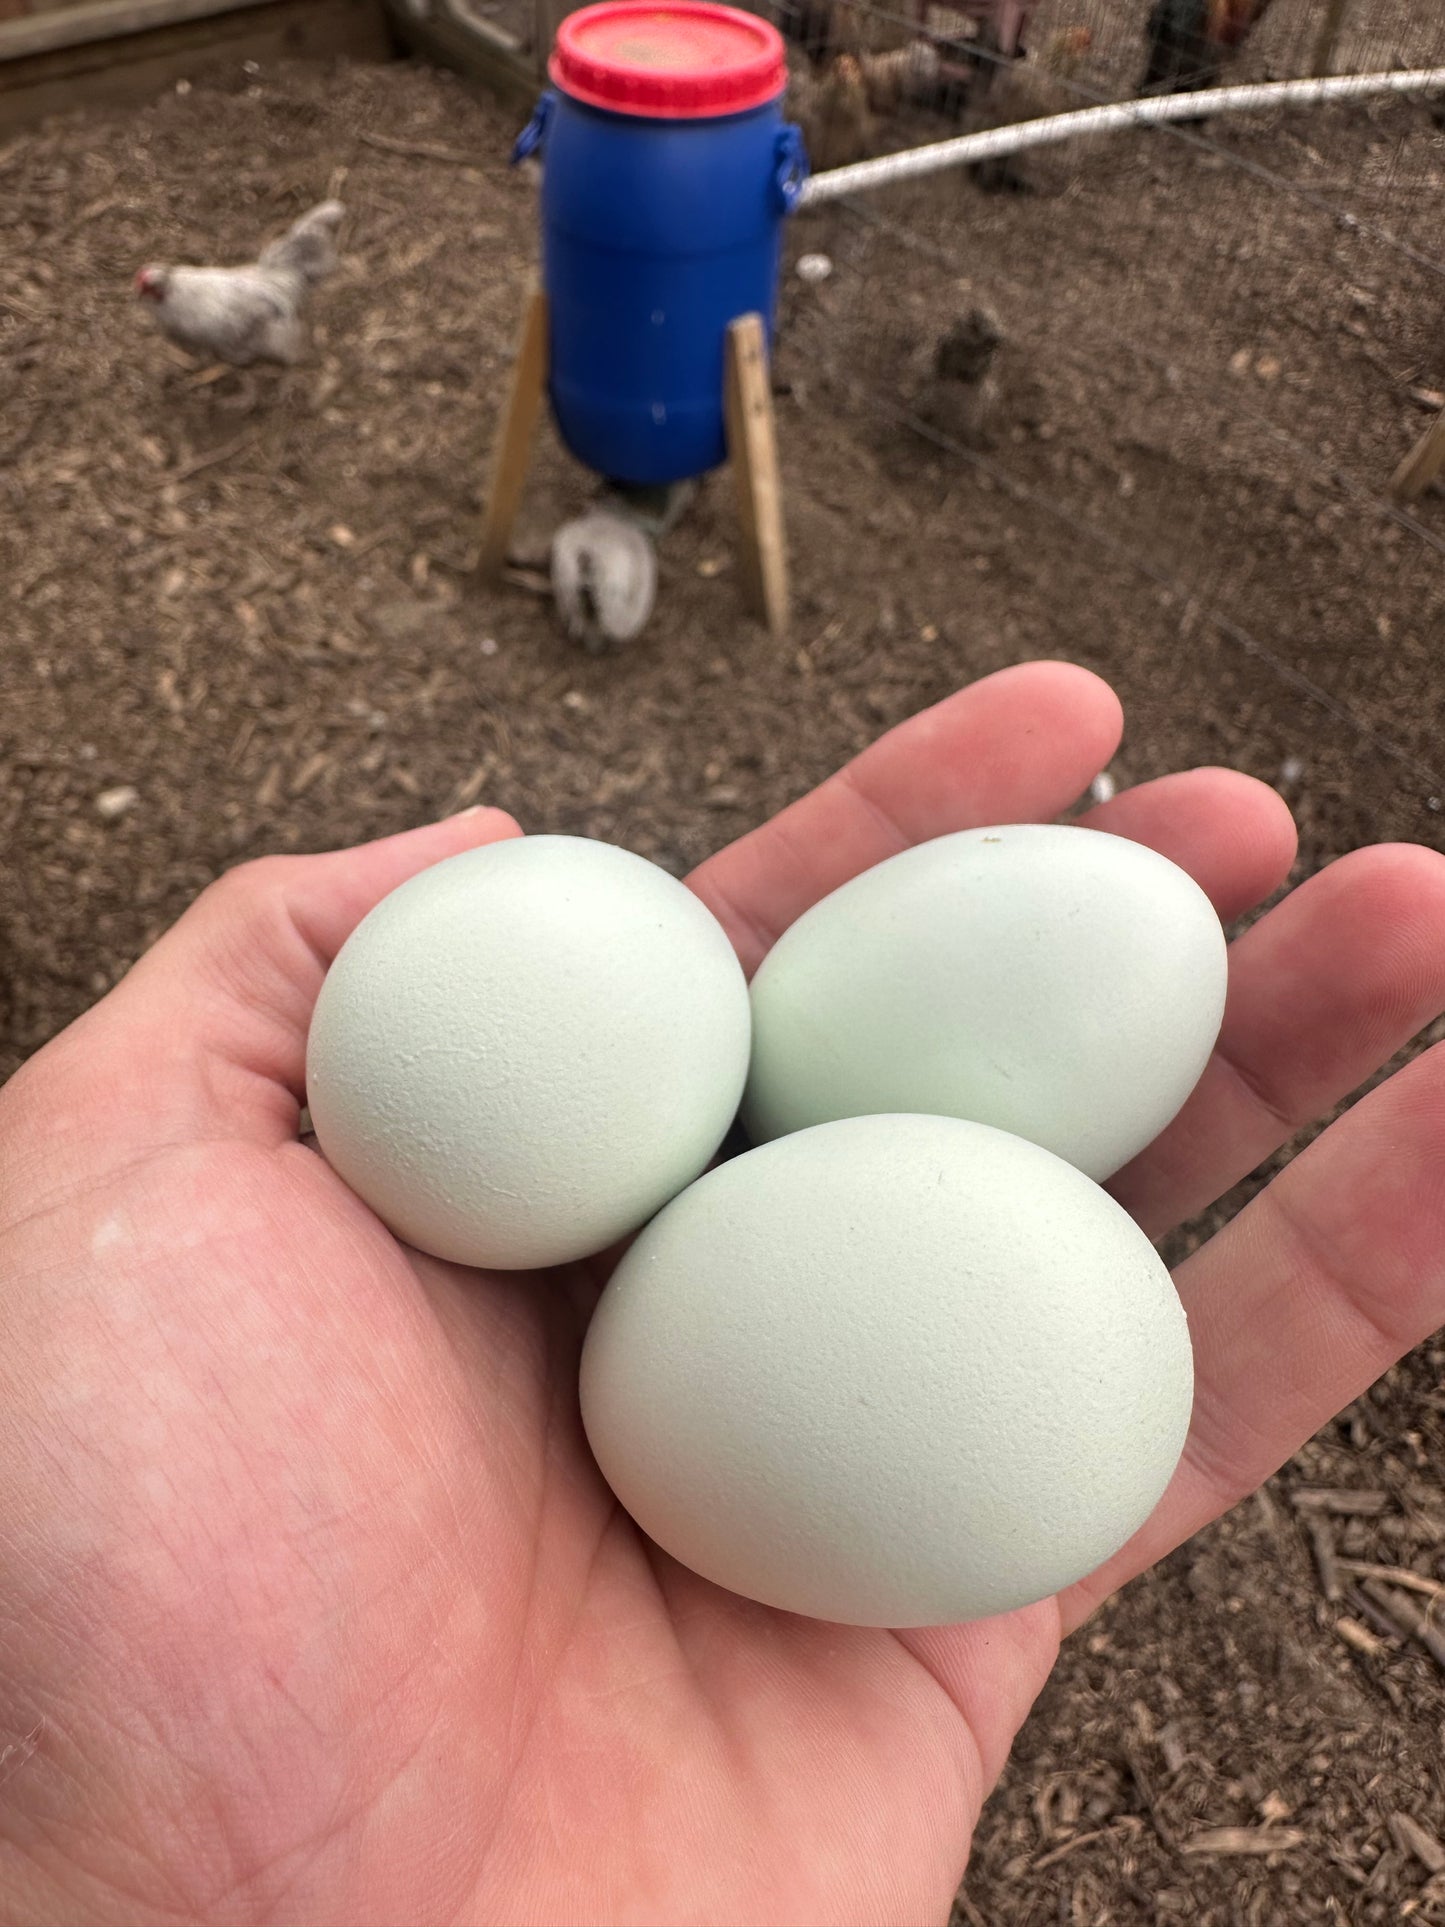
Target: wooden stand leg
x=753 y=451
x=1423 y=465
x=513 y=451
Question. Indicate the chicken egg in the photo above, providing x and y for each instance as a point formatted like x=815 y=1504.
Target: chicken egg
x=1057 y=982
x=521 y=1053
x=890 y=1371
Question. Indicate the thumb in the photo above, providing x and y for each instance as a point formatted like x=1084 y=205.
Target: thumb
x=206 y=1036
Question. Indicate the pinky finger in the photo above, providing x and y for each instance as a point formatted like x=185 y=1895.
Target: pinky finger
x=1323 y=1282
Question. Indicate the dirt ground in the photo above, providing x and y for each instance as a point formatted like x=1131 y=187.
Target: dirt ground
x=242 y=619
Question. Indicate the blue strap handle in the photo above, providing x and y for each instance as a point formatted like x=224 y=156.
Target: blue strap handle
x=790 y=168
x=535 y=132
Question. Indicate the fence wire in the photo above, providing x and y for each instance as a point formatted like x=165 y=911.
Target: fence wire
x=1373 y=252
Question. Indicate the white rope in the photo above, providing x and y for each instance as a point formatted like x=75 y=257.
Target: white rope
x=998 y=142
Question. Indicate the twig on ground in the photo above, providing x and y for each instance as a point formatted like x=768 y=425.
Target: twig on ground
x=1322 y=1545
x=1346 y=1502
x=1360 y=1638
x=1395 y=1576
x=1406 y=1617
x=212 y=459
x=1055 y=1854
x=1412 y=1838
x=1143 y=1780
x=1239 y=1840
x=422 y=151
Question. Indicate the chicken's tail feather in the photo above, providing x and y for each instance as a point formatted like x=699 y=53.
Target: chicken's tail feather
x=308 y=247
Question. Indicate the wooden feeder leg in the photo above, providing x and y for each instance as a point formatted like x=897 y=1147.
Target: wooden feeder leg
x=753 y=451
x=1422 y=466
x=513 y=452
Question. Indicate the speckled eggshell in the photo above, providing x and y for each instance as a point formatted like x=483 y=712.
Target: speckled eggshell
x=1058 y=982
x=522 y=1053
x=892 y=1371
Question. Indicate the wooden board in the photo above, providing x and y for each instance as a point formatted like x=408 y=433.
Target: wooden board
x=483 y=54
x=98 y=54
x=513 y=453
x=13 y=9
x=49 y=30
x=753 y=453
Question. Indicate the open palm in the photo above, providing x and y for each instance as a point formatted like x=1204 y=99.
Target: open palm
x=315 y=1606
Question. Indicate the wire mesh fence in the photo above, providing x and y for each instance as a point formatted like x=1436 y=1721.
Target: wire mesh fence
x=1201 y=331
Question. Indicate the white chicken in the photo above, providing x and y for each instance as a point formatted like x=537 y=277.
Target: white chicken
x=252 y=313
x=604 y=579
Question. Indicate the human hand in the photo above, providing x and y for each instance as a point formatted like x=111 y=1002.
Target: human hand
x=315 y=1605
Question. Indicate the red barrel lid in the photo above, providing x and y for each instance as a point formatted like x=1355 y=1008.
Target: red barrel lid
x=682 y=62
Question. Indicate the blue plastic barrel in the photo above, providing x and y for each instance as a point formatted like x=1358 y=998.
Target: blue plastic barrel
x=668 y=171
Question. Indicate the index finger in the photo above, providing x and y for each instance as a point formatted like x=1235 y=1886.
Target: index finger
x=1017 y=747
